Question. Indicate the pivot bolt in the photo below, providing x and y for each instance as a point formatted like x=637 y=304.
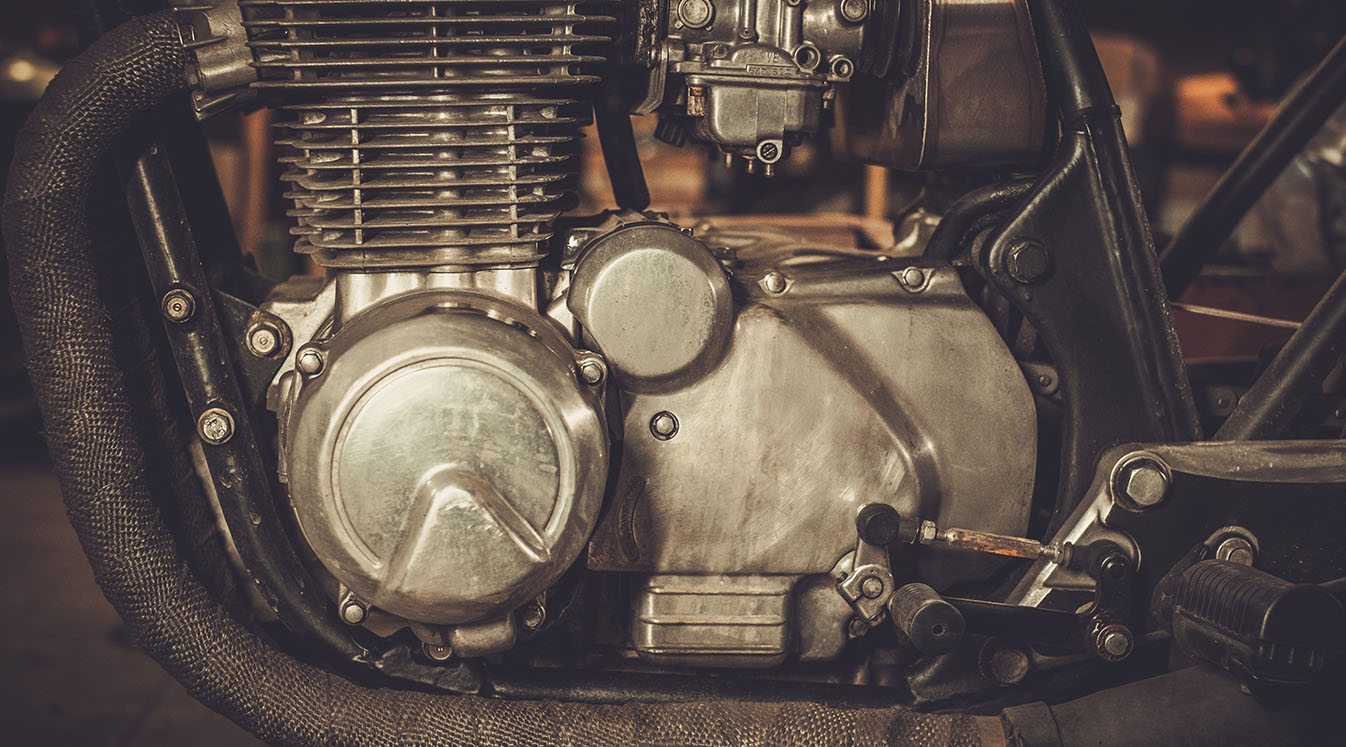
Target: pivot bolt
x=1236 y=550
x=216 y=426
x=309 y=361
x=1114 y=642
x=664 y=425
x=1144 y=481
x=438 y=652
x=854 y=11
x=871 y=587
x=1028 y=262
x=179 y=305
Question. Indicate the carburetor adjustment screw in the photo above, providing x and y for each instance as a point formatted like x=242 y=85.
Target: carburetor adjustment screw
x=215 y=426
x=179 y=305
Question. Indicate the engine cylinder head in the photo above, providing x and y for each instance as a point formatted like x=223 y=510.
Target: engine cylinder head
x=440 y=133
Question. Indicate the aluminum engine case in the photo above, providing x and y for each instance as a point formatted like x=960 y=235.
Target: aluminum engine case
x=845 y=382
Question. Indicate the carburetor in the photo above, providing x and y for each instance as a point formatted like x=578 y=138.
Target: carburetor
x=754 y=76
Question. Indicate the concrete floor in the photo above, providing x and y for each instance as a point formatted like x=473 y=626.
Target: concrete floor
x=69 y=675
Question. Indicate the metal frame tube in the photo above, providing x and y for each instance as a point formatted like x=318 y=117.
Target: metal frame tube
x=1300 y=117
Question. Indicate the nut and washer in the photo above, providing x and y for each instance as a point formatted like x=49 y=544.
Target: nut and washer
x=1114 y=642
x=1142 y=480
x=664 y=425
x=437 y=652
x=215 y=426
x=178 y=305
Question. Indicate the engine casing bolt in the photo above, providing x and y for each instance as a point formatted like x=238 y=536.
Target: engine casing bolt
x=664 y=425
x=309 y=361
x=179 y=305
x=591 y=372
x=773 y=282
x=263 y=340
x=215 y=426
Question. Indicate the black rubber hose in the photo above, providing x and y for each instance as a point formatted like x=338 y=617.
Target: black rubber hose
x=90 y=422
x=972 y=213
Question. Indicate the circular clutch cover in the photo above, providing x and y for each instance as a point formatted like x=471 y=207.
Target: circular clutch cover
x=447 y=465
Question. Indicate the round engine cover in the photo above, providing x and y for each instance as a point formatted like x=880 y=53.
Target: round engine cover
x=446 y=464
x=656 y=303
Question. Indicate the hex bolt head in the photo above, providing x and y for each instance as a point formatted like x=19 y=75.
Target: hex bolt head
x=773 y=282
x=263 y=340
x=1236 y=550
x=1114 y=642
x=854 y=11
x=215 y=426
x=1144 y=482
x=309 y=361
x=871 y=587
x=353 y=613
x=591 y=371
x=178 y=305
x=664 y=425
x=1028 y=262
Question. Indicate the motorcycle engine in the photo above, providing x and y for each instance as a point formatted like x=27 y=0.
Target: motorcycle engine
x=481 y=402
